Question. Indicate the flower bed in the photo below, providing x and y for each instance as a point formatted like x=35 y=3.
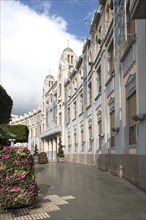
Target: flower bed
x=17 y=177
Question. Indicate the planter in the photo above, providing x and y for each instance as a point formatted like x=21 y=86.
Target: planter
x=17 y=177
x=42 y=159
x=61 y=159
x=35 y=159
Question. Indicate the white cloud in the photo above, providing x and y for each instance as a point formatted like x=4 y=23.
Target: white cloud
x=31 y=44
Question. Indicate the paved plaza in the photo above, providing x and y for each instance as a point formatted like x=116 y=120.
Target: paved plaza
x=79 y=192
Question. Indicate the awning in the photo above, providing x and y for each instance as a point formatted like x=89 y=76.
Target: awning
x=6 y=134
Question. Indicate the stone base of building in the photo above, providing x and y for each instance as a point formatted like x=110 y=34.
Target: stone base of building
x=130 y=167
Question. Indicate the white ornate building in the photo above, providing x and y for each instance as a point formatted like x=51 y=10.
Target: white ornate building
x=97 y=105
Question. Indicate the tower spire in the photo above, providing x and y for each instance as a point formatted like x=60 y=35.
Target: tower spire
x=67 y=43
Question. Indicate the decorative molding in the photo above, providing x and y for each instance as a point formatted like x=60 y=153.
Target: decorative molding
x=99 y=115
x=89 y=122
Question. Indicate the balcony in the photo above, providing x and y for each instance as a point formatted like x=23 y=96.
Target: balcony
x=129 y=57
x=52 y=132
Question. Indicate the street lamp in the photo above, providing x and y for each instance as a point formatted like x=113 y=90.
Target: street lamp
x=12 y=141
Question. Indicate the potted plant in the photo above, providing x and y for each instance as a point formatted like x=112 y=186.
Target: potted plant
x=60 y=154
x=43 y=159
x=17 y=177
x=35 y=155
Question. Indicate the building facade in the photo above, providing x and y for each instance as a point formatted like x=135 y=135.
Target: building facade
x=97 y=105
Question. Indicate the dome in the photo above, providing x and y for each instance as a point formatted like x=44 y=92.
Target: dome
x=68 y=49
x=49 y=77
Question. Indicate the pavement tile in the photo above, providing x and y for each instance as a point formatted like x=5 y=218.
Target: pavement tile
x=57 y=200
x=67 y=197
x=49 y=207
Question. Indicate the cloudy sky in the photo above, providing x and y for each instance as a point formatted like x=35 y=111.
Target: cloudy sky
x=33 y=36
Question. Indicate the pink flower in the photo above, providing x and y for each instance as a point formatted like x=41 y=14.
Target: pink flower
x=6 y=156
x=7 y=147
x=2 y=189
x=17 y=162
x=32 y=186
x=31 y=194
x=8 y=178
x=25 y=161
x=15 y=189
x=21 y=176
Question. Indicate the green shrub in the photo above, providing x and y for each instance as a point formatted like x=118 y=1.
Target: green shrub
x=21 y=132
x=60 y=149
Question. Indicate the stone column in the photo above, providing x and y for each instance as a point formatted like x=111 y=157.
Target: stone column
x=109 y=64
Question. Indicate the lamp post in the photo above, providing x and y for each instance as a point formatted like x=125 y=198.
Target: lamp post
x=12 y=141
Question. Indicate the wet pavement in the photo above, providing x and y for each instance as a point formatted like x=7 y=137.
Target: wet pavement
x=72 y=191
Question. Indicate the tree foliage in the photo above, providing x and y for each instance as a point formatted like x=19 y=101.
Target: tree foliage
x=6 y=104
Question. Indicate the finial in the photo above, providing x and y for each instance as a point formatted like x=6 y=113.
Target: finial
x=67 y=43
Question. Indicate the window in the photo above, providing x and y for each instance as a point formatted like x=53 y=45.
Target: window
x=68 y=58
x=75 y=141
x=96 y=43
x=132 y=123
x=68 y=115
x=81 y=77
x=112 y=125
x=130 y=28
x=107 y=17
x=82 y=140
x=90 y=93
x=110 y=60
x=90 y=58
x=82 y=137
x=59 y=89
x=99 y=80
x=60 y=119
x=81 y=103
x=35 y=132
x=75 y=109
x=100 y=132
x=68 y=142
x=31 y=132
x=71 y=59
x=90 y=133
